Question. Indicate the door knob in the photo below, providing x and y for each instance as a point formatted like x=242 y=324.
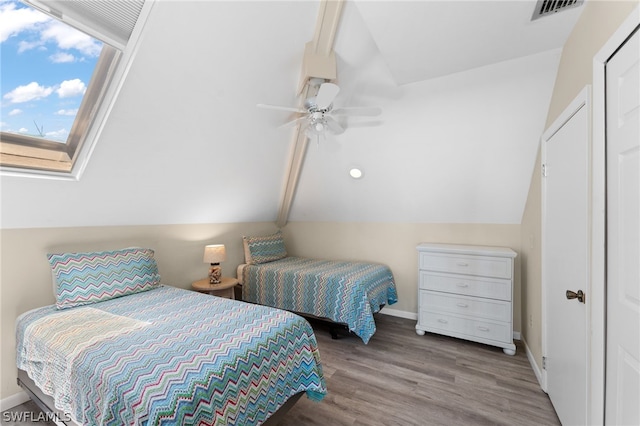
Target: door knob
x=579 y=295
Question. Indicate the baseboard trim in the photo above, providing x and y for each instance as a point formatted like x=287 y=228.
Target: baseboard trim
x=516 y=335
x=398 y=313
x=13 y=400
x=534 y=365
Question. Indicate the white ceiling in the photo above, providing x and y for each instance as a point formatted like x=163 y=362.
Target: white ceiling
x=420 y=40
x=185 y=142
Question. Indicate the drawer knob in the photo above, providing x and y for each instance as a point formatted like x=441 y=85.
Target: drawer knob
x=464 y=264
x=481 y=328
x=462 y=284
x=463 y=305
x=443 y=321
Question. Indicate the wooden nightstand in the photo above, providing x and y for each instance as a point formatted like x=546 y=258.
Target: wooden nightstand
x=224 y=289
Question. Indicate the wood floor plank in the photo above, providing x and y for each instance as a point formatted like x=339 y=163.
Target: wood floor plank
x=400 y=378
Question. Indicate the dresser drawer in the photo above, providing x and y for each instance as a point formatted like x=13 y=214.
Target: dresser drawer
x=466 y=285
x=457 y=326
x=497 y=310
x=499 y=267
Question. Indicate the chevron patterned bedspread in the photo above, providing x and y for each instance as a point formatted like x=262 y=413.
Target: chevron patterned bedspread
x=345 y=292
x=169 y=356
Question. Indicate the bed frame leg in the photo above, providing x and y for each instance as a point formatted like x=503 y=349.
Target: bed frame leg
x=333 y=332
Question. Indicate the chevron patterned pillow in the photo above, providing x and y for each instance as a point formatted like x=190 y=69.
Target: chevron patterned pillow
x=264 y=249
x=84 y=278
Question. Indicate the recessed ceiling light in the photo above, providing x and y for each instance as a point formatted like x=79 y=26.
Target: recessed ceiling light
x=355 y=173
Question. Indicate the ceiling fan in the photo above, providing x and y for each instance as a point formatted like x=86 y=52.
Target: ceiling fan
x=318 y=115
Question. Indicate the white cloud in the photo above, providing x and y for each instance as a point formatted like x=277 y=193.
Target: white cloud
x=67 y=37
x=13 y=21
x=71 y=112
x=24 y=45
x=62 y=57
x=31 y=92
x=70 y=88
x=15 y=112
x=23 y=130
x=60 y=135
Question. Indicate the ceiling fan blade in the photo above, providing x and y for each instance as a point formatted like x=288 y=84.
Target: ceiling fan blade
x=282 y=108
x=292 y=122
x=354 y=124
x=334 y=126
x=326 y=94
x=362 y=111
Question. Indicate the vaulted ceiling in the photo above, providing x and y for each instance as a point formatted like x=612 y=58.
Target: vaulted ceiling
x=421 y=40
x=464 y=88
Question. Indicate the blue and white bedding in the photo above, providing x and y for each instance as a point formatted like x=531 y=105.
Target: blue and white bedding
x=342 y=291
x=169 y=356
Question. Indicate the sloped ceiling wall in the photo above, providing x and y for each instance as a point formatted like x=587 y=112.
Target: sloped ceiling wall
x=457 y=149
x=186 y=144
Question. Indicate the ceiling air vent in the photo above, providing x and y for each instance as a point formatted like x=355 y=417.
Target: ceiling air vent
x=549 y=7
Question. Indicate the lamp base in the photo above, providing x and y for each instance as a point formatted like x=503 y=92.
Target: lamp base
x=215 y=274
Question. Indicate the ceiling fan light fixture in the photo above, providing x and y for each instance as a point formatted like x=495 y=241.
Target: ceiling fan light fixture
x=317 y=124
x=318 y=116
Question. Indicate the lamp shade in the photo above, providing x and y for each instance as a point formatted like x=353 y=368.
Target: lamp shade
x=215 y=253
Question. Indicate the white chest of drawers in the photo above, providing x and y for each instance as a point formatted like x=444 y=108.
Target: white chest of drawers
x=467 y=292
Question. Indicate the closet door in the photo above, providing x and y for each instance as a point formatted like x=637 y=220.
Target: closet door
x=623 y=235
x=565 y=260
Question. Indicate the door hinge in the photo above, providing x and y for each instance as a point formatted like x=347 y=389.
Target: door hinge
x=544 y=362
x=544 y=170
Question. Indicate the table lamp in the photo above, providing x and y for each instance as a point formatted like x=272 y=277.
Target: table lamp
x=214 y=254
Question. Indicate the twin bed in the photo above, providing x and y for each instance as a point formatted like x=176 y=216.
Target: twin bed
x=120 y=348
x=343 y=292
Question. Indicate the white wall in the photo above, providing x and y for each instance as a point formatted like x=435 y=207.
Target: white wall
x=186 y=144
x=458 y=149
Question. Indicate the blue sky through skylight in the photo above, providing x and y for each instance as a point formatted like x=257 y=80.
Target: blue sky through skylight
x=45 y=68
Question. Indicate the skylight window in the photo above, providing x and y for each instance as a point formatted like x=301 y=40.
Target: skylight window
x=57 y=69
x=46 y=67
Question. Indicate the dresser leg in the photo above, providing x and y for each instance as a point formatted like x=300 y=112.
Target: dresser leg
x=419 y=332
x=509 y=351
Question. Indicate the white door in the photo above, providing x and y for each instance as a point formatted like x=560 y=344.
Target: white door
x=566 y=261
x=622 y=382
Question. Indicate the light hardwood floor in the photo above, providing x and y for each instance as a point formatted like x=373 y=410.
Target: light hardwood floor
x=401 y=378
